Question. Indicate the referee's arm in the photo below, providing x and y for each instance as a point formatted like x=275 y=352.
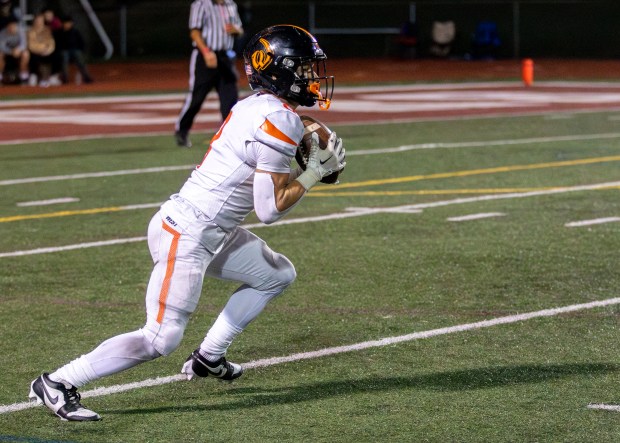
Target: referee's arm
x=209 y=56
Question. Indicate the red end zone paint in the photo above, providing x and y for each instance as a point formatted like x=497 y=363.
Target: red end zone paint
x=81 y=116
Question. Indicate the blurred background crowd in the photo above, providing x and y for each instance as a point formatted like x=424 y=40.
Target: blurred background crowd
x=154 y=30
x=38 y=49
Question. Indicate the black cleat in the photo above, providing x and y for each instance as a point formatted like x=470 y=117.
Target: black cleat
x=62 y=400
x=196 y=364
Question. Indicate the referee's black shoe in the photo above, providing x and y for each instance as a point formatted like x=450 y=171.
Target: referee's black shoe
x=182 y=140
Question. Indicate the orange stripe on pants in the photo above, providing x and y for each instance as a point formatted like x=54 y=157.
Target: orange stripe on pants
x=165 y=287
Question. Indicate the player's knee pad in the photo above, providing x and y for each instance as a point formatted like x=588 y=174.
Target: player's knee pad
x=165 y=337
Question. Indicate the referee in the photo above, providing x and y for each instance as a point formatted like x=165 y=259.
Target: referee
x=213 y=25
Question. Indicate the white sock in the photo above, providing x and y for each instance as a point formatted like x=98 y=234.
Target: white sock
x=114 y=355
x=242 y=308
x=219 y=338
x=76 y=373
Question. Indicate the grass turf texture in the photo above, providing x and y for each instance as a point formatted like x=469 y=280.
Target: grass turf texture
x=359 y=279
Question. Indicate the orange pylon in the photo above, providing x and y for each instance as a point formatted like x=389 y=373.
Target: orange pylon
x=527 y=71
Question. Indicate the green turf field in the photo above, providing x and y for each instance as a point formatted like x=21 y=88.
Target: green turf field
x=395 y=265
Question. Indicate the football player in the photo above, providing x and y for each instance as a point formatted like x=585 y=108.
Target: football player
x=197 y=232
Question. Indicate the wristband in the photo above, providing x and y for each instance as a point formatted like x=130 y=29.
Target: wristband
x=308 y=178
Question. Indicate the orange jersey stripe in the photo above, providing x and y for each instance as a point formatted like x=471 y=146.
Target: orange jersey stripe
x=270 y=129
x=165 y=287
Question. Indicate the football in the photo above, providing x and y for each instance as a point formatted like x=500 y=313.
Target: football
x=303 y=150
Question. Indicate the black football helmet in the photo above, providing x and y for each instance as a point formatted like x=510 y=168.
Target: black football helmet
x=287 y=60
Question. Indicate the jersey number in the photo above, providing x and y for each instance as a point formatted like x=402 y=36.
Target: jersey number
x=215 y=137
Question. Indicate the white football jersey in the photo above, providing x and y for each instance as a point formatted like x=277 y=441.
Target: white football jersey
x=261 y=132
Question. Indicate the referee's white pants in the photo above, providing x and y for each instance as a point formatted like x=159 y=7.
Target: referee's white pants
x=185 y=248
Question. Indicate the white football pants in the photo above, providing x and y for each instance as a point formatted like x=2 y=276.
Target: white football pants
x=185 y=247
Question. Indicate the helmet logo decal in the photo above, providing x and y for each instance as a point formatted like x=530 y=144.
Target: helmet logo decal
x=261 y=58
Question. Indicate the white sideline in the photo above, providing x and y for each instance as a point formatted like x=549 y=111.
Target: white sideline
x=349 y=212
x=51 y=201
x=95 y=244
x=342 y=349
x=596 y=221
x=50 y=178
x=475 y=216
x=404 y=148
x=604 y=407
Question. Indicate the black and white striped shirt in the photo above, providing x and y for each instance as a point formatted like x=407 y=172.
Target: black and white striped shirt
x=211 y=18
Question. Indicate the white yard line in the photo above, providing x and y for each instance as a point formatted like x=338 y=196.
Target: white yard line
x=352 y=153
x=92 y=100
x=20 y=181
x=96 y=244
x=596 y=221
x=136 y=98
x=349 y=212
x=604 y=407
x=53 y=201
x=387 y=341
x=177 y=97
x=357 y=122
x=70 y=138
x=475 y=216
x=510 y=142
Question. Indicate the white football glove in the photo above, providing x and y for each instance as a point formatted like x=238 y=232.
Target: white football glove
x=322 y=162
x=330 y=159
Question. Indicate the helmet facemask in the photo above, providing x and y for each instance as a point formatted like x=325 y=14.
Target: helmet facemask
x=287 y=61
x=311 y=83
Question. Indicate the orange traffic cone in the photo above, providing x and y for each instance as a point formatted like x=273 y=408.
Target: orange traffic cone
x=527 y=72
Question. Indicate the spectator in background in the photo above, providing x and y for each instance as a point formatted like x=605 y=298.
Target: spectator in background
x=407 y=40
x=6 y=13
x=52 y=20
x=71 y=46
x=55 y=24
x=41 y=45
x=13 y=50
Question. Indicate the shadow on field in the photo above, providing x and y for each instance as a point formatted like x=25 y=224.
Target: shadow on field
x=470 y=379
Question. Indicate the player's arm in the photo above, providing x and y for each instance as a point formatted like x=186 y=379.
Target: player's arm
x=275 y=195
x=278 y=187
x=276 y=191
x=285 y=192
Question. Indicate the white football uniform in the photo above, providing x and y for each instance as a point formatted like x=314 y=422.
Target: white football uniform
x=261 y=133
x=196 y=233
